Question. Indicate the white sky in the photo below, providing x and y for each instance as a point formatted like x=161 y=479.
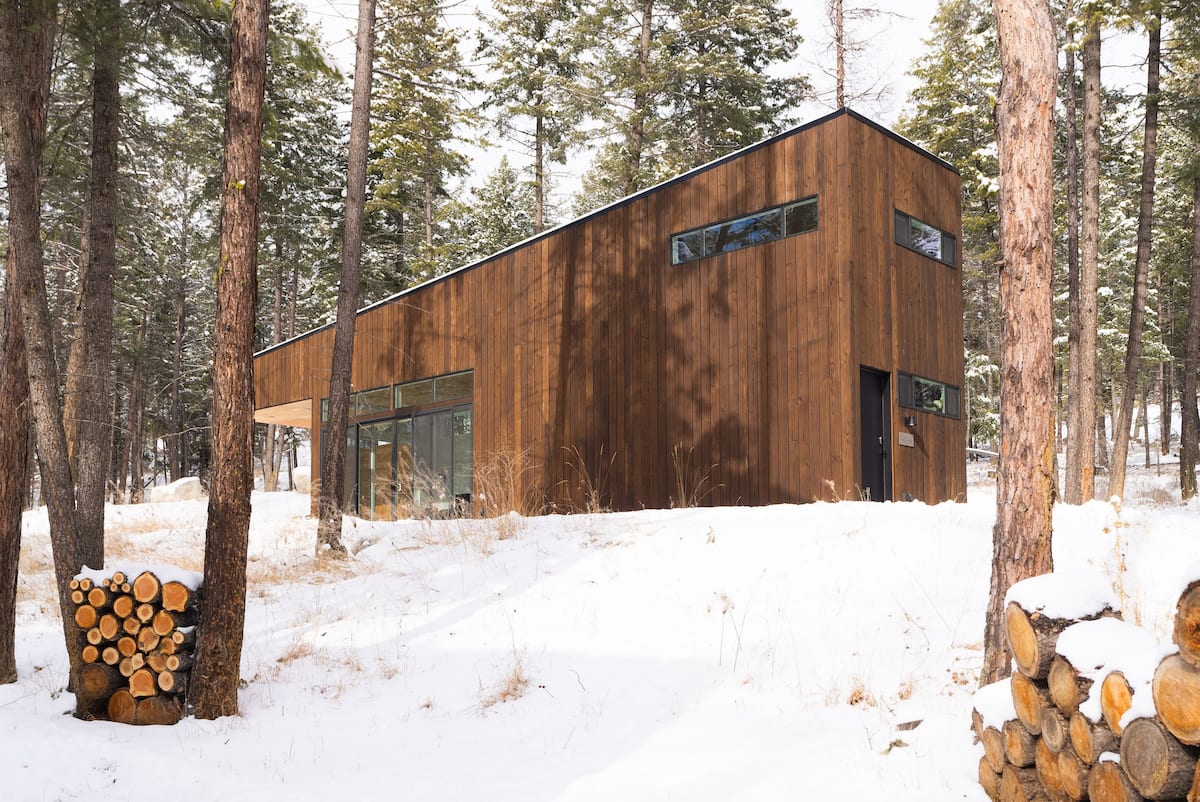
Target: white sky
x=892 y=39
x=895 y=39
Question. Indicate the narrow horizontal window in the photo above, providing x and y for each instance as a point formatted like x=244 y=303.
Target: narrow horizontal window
x=926 y=239
x=413 y=393
x=456 y=385
x=928 y=395
x=767 y=225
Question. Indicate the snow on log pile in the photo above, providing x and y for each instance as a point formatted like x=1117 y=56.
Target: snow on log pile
x=1099 y=709
x=136 y=634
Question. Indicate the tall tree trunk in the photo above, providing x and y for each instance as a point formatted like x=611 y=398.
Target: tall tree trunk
x=222 y=618
x=1166 y=396
x=839 y=45
x=1101 y=457
x=635 y=141
x=1189 y=449
x=1080 y=482
x=179 y=451
x=1141 y=270
x=26 y=45
x=271 y=443
x=86 y=399
x=116 y=442
x=333 y=463
x=1073 y=327
x=179 y=466
x=1025 y=481
x=1146 y=421
x=539 y=169
x=14 y=462
x=137 y=416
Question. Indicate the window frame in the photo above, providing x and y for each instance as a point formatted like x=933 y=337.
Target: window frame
x=702 y=231
x=906 y=395
x=902 y=234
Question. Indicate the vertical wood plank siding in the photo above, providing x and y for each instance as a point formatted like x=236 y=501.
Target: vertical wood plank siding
x=592 y=353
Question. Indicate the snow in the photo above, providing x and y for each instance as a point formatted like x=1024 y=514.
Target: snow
x=701 y=654
x=186 y=489
x=1097 y=648
x=995 y=704
x=1064 y=594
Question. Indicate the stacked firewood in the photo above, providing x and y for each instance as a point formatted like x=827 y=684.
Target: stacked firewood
x=136 y=638
x=1097 y=711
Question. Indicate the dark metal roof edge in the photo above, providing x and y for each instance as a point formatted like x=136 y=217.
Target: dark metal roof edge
x=626 y=201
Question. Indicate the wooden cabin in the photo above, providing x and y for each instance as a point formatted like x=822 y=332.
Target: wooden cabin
x=781 y=325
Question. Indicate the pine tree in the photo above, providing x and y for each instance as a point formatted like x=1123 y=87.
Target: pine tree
x=674 y=84
x=1080 y=474
x=420 y=121
x=333 y=466
x=219 y=641
x=720 y=93
x=527 y=45
x=497 y=214
x=1025 y=482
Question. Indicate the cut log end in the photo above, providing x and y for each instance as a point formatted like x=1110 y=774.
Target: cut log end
x=1177 y=698
x=1072 y=774
x=1030 y=698
x=989 y=780
x=1020 y=785
x=1067 y=688
x=1156 y=763
x=146 y=588
x=123 y=606
x=86 y=616
x=176 y=597
x=142 y=683
x=1187 y=624
x=1018 y=744
x=993 y=749
x=1054 y=729
x=1107 y=783
x=98 y=598
x=1046 y=763
x=1090 y=739
x=122 y=706
x=1116 y=697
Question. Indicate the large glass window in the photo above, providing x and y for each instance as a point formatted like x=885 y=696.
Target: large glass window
x=372 y=402
x=798 y=217
x=924 y=238
x=927 y=395
x=376 y=470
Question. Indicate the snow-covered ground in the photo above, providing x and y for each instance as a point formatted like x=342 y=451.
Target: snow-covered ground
x=701 y=654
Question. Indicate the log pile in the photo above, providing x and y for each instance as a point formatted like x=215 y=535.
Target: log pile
x=1099 y=709
x=136 y=636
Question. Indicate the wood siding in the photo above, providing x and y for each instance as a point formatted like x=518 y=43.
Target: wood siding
x=592 y=353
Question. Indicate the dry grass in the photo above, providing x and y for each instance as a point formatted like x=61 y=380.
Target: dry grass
x=859 y=695
x=692 y=481
x=508 y=689
x=501 y=484
x=298 y=649
x=590 y=486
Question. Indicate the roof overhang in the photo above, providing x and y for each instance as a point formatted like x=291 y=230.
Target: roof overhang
x=297 y=413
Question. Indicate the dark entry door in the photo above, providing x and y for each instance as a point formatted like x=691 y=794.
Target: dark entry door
x=875 y=422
